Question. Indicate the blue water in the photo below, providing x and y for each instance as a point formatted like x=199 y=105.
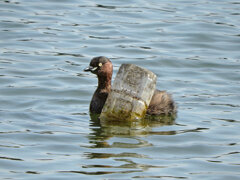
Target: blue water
x=45 y=128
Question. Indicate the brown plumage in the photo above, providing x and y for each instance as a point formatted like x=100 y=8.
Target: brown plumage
x=161 y=103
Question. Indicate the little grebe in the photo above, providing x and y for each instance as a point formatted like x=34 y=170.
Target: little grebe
x=161 y=103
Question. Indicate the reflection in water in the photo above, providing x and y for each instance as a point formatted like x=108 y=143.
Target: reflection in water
x=103 y=132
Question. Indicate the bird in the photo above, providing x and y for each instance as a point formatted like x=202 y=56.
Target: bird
x=161 y=103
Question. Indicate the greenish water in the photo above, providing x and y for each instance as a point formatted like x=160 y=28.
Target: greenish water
x=45 y=128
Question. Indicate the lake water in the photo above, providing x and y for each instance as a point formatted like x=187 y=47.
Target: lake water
x=45 y=128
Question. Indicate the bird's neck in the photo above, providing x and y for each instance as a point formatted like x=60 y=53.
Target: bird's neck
x=104 y=82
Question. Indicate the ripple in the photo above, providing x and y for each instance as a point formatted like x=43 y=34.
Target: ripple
x=13 y=159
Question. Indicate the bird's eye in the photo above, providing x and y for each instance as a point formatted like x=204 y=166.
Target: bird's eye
x=100 y=64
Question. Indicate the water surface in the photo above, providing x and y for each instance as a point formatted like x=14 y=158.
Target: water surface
x=45 y=128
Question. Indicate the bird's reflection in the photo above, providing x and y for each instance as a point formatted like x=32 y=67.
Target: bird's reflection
x=102 y=131
x=130 y=134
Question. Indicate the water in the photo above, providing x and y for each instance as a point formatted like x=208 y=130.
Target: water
x=45 y=128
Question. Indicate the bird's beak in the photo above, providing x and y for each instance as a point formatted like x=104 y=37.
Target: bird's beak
x=90 y=68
